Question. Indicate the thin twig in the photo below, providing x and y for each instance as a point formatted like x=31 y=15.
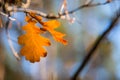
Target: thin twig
x=64 y=9
x=88 y=5
x=12 y=48
x=1 y=13
x=10 y=41
x=96 y=44
x=15 y=9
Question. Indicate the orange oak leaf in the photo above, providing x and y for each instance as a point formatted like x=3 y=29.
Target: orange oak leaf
x=50 y=26
x=32 y=42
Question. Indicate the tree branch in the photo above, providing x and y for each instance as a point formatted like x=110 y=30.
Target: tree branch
x=52 y=16
x=95 y=46
x=6 y=15
x=88 y=5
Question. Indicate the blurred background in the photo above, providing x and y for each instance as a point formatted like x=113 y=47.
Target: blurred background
x=62 y=61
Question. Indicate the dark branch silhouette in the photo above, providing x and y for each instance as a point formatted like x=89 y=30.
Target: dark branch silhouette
x=95 y=46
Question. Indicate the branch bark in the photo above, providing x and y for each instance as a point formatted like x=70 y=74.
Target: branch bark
x=95 y=46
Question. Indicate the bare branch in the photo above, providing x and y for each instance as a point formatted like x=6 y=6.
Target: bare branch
x=95 y=46
x=1 y=13
x=63 y=9
x=59 y=16
x=86 y=5
x=10 y=41
x=12 y=48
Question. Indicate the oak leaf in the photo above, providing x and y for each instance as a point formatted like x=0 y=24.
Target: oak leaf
x=32 y=42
